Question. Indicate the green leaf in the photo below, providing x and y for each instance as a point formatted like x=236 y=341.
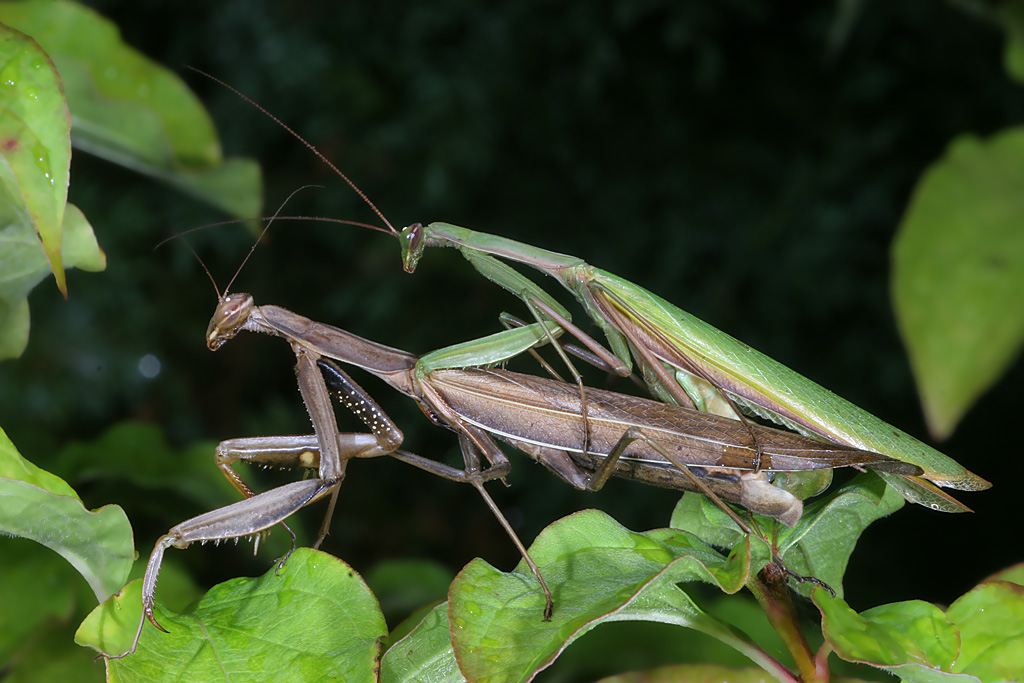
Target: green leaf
x=697 y=673
x=1011 y=15
x=115 y=455
x=958 y=271
x=821 y=543
x=912 y=632
x=403 y=586
x=314 y=619
x=50 y=658
x=700 y=516
x=406 y=626
x=14 y=325
x=425 y=654
x=40 y=506
x=629 y=646
x=97 y=544
x=132 y=111
x=15 y=467
x=24 y=265
x=33 y=590
x=1014 y=574
x=979 y=638
x=35 y=144
x=991 y=622
x=597 y=571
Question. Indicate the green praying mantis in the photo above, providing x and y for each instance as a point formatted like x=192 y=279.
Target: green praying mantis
x=686 y=361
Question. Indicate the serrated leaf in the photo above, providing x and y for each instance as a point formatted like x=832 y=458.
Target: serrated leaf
x=35 y=143
x=314 y=619
x=958 y=270
x=132 y=111
x=39 y=506
x=597 y=571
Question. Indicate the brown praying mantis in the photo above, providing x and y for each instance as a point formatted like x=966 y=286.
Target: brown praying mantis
x=583 y=443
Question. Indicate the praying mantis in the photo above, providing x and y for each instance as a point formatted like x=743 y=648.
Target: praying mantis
x=612 y=434
x=686 y=361
x=682 y=359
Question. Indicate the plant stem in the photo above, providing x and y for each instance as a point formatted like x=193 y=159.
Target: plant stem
x=771 y=591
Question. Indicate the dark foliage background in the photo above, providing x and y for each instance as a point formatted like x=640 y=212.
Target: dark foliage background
x=748 y=162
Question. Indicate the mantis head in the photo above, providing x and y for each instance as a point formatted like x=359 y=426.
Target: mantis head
x=412 y=246
x=229 y=319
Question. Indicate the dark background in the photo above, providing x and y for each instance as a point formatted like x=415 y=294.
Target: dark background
x=743 y=161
